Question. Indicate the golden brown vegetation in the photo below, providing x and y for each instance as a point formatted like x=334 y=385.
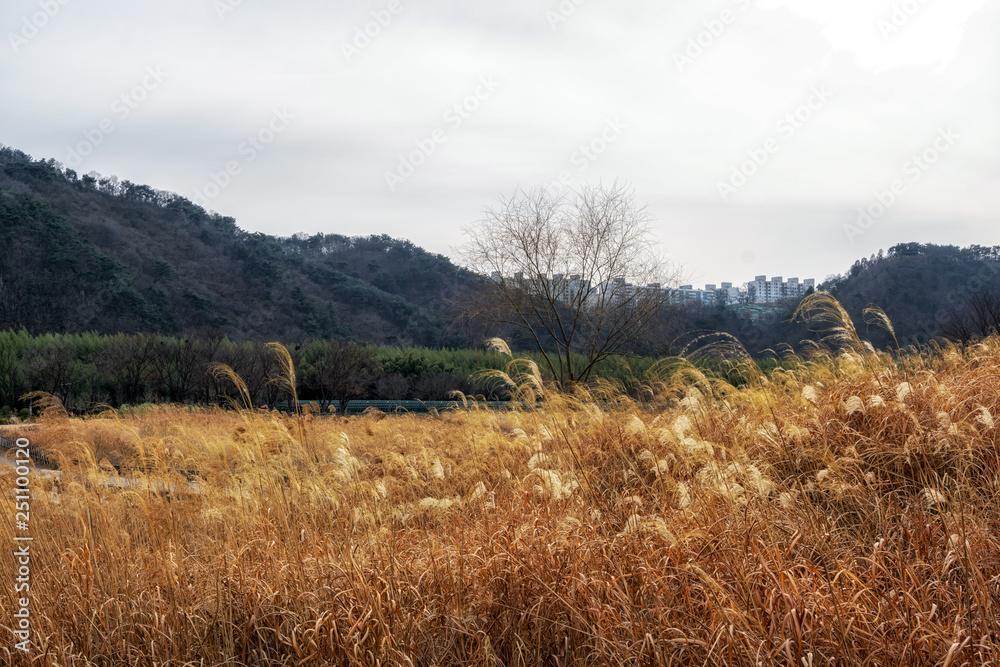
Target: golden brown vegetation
x=842 y=513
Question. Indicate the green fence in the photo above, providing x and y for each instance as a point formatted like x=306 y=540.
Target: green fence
x=412 y=407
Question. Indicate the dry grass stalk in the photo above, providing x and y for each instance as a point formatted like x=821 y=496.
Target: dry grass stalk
x=841 y=513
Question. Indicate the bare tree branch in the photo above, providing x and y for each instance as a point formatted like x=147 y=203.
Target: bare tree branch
x=581 y=277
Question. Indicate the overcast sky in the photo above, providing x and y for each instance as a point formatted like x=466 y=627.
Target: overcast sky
x=755 y=130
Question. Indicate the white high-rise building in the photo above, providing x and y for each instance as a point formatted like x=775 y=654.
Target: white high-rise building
x=712 y=295
x=569 y=289
x=762 y=290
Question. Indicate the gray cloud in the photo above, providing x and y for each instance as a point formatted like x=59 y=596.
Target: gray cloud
x=686 y=127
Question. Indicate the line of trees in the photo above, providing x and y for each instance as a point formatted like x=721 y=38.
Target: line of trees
x=89 y=370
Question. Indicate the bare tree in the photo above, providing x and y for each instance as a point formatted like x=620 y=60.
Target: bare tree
x=56 y=368
x=126 y=364
x=580 y=277
x=341 y=371
x=984 y=312
x=979 y=318
x=178 y=367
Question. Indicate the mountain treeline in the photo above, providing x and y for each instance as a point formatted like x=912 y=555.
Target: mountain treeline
x=927 y=291
x=92 y=253
x=89 y=253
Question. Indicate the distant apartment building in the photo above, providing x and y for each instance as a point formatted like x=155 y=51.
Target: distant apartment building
x=569 y=289
x=762 y=290
x=759 y=291
x=712 y=295
x=566 y=289
x=573 y=288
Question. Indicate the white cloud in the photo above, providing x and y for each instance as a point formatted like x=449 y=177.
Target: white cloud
x=686 y=130
x=886 y=34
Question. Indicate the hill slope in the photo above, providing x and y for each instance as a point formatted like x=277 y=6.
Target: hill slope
x=98 y=254
x=920 y=287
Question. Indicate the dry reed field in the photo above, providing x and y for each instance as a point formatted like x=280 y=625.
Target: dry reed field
x=842 y=512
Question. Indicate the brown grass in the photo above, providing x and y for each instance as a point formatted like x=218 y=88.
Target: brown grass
x=843 y=513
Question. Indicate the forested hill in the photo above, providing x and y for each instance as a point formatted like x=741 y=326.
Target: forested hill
x=928 y=291
x=88 y=253
x=921 y=287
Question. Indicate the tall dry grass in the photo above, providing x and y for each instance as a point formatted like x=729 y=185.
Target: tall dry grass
x=840 y=513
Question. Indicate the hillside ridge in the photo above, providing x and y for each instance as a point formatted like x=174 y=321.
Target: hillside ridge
x=94 y=253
